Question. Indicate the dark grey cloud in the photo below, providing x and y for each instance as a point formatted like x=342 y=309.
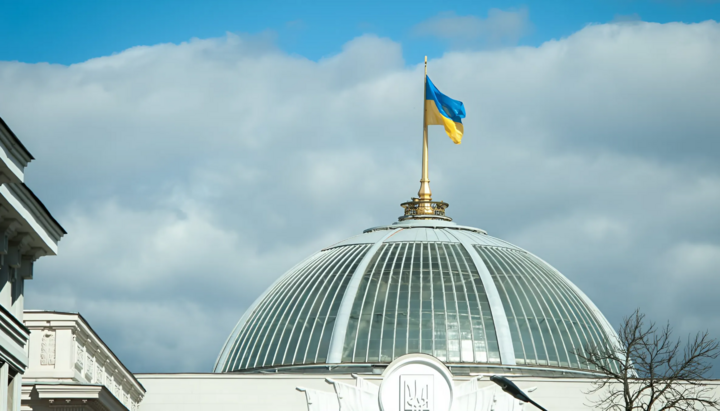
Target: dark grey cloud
x=190 y=176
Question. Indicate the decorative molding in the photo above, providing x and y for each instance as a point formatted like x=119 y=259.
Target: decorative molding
x=416 y=382
x=79 y=354
x=90 y=369
x=68 y=397
x=21 y=241
x=413 y=382
x=47 y=348
x=26 y=267
x=17 y=246
x=33 y=254
x=8 y=229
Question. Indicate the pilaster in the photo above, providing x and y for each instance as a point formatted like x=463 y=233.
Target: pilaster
x=4 y=375
x=15 y=390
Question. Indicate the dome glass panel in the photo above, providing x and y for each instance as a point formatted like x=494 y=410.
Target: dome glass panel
x=294 y=323
x=548 y=322
x=421 y=297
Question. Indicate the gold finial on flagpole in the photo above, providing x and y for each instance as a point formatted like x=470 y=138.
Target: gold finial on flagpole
x=423 y=207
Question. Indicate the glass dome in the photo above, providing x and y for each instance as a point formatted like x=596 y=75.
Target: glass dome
x=418 y=286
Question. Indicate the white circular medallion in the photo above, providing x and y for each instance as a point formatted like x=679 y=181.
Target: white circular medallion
x=416 y=382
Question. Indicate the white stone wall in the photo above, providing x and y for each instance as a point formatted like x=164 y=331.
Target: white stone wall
x=235 y=392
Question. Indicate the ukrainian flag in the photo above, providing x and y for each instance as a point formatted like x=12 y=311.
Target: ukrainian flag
x=443 y=111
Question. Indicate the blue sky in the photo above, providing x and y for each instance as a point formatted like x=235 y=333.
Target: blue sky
x=67 y=32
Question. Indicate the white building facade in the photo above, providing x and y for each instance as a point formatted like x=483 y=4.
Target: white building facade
x=27 y=232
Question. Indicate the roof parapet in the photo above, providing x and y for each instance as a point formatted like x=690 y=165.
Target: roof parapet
x=65 y=349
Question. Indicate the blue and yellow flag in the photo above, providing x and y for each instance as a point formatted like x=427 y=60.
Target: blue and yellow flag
x=443 y=111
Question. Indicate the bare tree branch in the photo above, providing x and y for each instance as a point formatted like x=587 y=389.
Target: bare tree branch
x=646 y=369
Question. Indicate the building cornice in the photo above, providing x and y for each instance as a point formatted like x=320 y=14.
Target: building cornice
x=13 y=153
x=23 y=213
x=96 y=397
x=39 y=211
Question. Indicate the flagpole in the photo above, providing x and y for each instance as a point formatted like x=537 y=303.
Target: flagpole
x=424 y=193
x=423 y=207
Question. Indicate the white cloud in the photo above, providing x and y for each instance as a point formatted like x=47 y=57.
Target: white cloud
x=190 y=176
